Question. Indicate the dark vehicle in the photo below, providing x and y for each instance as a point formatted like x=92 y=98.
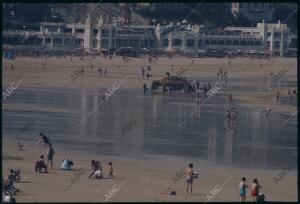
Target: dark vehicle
x=215 y=53
x=171 y=83
x=126 y=51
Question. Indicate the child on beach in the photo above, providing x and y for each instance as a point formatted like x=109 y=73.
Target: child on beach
x=255 y=189
x=242 y=186
x=189 y=178
x=110 y=170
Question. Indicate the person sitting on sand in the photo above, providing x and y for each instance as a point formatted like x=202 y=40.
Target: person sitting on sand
x=40 y=164
x=43 y=139
x=189 y=178
x=110 y=170
x=242 y=186
x=97 y=169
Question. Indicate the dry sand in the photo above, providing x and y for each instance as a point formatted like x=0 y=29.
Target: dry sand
x=147 y=178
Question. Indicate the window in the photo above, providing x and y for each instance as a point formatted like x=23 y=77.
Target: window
x=241 y=5
x=67 y=30
x=104 y=43
x=277 y=35
x=268 y=34
x=57 y=40
x=104 y=32
x=257 y=43
x=235 y=42
x=206 y=42
x=277 y=45
x=243 y=42
x=79 y=30
x=228 y=42
x=177 y=42
x=151 y=43
x=190 y=43
x=213 y=42
x=130 y=42
x=95 y=43
x=166 y=43
x=221 y=42
x=270 y=5
x=67 y=41
x=200 y=43
x=52 y=29
x=268 y=44
x=95 y=31
x=250 y=43
x=136 y=43
x=48 y=40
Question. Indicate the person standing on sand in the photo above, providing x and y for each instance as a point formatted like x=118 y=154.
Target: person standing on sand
x=277 y=96
x=100 y=71
x=255 y=190
x=189 y=178
x=105 y=72
x=230 y=98
x=242 y=186
x=50 y=153
x=110 y=171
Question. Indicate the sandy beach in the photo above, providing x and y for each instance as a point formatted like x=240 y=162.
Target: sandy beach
x=144 y=177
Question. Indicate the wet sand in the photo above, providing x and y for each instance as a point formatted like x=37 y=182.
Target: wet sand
x=147 y=176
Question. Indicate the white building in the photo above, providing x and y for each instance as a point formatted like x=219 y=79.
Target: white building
x=186 y=38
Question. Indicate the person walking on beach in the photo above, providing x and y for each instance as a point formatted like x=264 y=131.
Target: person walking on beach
x=50 y=153
x=189 y=178
x=242 y=186
x=110 y=171
x=255 y=189
x=105 y=72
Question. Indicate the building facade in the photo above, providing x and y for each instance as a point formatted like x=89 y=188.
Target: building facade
x=273 y=37
x=253 y=11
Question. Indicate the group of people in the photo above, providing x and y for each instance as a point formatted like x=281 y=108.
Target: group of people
x=231 y=117
x=145 y=73
x=8 y=186
x=101 y=72
x=255 y=188
x=222 y=74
